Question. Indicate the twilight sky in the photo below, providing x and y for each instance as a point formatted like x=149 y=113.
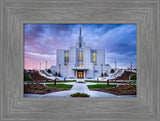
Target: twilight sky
x=42 y=40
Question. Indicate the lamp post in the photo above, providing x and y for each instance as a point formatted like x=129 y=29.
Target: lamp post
x=115 y=64
x=55 y=81
x=115 y=68
x=46 y=65
x=59 y=70
x=131 y=66
x=107 y=82
x=40 y=66
x=101 y=70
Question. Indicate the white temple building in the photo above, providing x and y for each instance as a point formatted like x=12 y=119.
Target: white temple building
x=81 y=62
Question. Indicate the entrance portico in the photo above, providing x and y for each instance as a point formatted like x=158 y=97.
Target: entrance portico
x=80 y=72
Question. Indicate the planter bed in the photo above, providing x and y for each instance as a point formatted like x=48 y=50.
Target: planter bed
x=40 y=89
x=120 y=90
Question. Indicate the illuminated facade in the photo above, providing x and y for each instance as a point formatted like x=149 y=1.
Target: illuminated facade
x=81 y=62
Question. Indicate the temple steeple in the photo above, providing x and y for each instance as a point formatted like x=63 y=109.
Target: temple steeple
x=80 y=32
x=80 y=38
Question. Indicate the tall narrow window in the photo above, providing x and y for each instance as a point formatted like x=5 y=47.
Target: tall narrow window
x=80 y=56
x=94 y=57
x=66 y=57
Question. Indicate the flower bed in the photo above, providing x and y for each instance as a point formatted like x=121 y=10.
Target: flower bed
x=77 y=94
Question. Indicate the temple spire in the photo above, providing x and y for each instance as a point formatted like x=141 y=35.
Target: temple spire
x=80 y=38
x=80 y=31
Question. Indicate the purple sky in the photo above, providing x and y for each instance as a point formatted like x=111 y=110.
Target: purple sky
x=42 y=40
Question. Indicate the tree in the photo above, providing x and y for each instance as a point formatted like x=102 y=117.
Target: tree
x=133 y=77
x=27 y=77
x=112 y=70
x=49 y=70
x=102 y=75
x=105 y=74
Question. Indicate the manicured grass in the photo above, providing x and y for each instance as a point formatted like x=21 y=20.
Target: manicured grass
x=95 y=82
x=60 y=86
x=64 y=81
x=101 y=86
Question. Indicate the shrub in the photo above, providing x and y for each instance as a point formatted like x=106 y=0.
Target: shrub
x=112 y=70
x=123 y=89
x=26 y=77
x=49 y=71
x=101 y=74
x=28 y=86
x=59 y=74
x=35 y=88
x=75 y=94
x=79 y=95
x=41 y=88
x=133 y=86
x=84 y=95
x=105 y=74
x=134 y=77
x=48 y=90
x=128 y=88
x=80 y=82
x=115 y=89
x=109 y=89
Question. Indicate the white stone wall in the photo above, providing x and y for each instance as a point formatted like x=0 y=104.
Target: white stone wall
x=98 y=70
x=72 y=55
x=60 y=57
x=64 y=71
x=71 y=73
x=90 y=70
x=100 y=57
x=86 y=55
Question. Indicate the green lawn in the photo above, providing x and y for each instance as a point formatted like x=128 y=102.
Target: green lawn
x=60 y=86
x=95 y=82
x=64 y=81
x=101 y=86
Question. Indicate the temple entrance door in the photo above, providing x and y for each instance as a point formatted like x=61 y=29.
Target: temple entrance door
x=80 y=74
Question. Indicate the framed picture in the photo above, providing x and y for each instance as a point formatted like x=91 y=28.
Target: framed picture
x=60 y=62
x=39 y=38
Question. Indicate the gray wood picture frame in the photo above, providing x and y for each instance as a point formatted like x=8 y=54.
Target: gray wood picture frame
x=14 y=107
